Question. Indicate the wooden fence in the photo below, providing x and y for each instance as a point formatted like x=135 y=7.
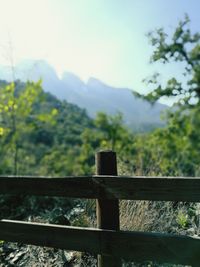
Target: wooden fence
x=108 y=241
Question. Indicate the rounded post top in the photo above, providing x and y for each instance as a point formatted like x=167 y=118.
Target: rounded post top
x=106 y=152
x=106 y=163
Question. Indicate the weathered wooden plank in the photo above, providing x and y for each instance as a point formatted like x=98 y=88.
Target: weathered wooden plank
x=163 y=248
x=72 y=238
x=135 y=246
x=136 y=188
x=78 y=187
x=151 y=188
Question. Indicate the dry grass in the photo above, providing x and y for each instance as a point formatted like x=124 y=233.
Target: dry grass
x=157 y=216
x=134 y=215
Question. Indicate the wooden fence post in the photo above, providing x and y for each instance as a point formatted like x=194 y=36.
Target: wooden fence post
x=107 y=210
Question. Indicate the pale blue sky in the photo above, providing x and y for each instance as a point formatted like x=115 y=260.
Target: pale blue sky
x=100 y=38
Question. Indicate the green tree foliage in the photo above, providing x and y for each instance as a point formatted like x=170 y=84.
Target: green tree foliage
x=108 y=133
x=112 y=129
x=15 y=109
x=62 y=156
x=39 y=134
x=174 y=150
x=182 y=47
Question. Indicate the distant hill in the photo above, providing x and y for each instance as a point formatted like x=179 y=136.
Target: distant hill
x=93 y=96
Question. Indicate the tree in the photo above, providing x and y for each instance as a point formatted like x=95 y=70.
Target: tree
x=108 y=132
x=17 y=120
x=174 y=150
x=183 y=47
x=112 y=127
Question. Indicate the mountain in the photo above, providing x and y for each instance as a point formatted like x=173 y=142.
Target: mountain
x=93 y=96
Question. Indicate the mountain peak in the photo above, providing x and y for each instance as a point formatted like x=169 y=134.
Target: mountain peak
x=66 y=76
x=95 y=82
x=34 y=70
x=72 y=80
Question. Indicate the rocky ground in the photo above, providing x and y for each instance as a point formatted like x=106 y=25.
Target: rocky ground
x=18 y=255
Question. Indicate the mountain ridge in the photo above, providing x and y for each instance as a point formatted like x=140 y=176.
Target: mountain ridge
x=94 y=95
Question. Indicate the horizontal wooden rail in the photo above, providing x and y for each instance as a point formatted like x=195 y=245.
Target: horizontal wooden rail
x=78 y=187
x=107 y=187
x=137 y=246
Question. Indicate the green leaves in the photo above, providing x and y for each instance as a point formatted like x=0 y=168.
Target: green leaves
x=17 y=120
x=174 y=150
x=112 y=129
x=182 y=219
x=183 y=47
x=1 y=131
x=48 y=118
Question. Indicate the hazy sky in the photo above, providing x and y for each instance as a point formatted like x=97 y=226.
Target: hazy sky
x=99 y=38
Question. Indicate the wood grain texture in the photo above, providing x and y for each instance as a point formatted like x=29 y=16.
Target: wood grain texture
x=137 y=246
x=106 y=187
